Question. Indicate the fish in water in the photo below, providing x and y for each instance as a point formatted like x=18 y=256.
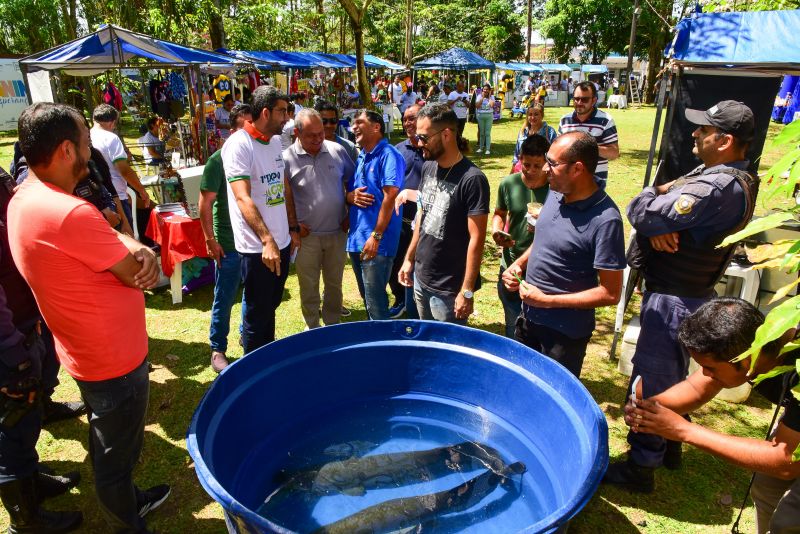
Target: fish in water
x=349 y=449
x=401 y=513
x=356 y=475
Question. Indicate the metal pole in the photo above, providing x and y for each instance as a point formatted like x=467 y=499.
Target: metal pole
x=662 y=91
x=24 y=69
x=630 y=48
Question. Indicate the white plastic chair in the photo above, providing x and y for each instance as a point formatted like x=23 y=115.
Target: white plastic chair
x=134 y=226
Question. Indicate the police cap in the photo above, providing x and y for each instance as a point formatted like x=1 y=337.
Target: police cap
x=729 y=116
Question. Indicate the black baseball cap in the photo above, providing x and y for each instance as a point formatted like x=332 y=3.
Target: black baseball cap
x=729 y=116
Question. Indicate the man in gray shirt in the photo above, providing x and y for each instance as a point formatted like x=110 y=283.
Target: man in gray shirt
x=318 y=170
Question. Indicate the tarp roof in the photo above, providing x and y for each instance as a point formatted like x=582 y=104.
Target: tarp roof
x=757 y=40
x=385 y=63
x=594 y=68
x=241 y=55
x=113 y=47
x=555 y=67
x=515 y=65
x=304 y=60
x=455 y=59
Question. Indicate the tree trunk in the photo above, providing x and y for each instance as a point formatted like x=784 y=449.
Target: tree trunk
x=321 y=26
x=409 y=32
x=361 y=69
x=528 y=39
x=216 y=29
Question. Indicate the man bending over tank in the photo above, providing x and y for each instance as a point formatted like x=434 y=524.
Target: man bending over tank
x=716 y=333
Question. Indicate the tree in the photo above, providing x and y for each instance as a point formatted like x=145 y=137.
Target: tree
x=591 y=27
x=355 y=11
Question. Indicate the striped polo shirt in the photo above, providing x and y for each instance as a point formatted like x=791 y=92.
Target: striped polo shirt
x=599 y=125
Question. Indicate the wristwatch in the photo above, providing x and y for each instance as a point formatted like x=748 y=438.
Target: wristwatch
x=377 y=236
x=468 y=294
x=294 y=229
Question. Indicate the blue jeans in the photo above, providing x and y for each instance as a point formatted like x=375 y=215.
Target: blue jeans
x=372 y=277
x=512 y=305
x=263 y=291
x=227 y=277
x=117 y=409
x=436 y=307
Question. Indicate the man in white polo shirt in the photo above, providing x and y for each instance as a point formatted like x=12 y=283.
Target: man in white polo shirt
x=110 y=146
x=264 y=224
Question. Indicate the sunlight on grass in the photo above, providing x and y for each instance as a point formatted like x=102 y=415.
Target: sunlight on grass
x=685 y=501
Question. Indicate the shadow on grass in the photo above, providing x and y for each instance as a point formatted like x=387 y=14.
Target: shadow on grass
x=600 y=517
x=160 y=462
x=709 y=478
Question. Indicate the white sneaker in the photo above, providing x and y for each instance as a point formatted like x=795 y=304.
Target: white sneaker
x=487 y=152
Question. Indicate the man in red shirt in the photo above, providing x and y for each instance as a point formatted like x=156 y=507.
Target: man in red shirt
x=87 y=279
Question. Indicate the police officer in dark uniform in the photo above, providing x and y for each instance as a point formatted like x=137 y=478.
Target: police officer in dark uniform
x=24 y=342
x=678 y=226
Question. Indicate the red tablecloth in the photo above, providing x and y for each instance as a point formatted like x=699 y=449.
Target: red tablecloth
x=181 y=238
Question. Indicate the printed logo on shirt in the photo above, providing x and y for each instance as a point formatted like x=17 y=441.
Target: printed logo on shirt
x=274 y=192
x=435 y=198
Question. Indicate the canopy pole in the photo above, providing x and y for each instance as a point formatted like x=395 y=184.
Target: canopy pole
x=654 y=138
x=55 y=87
x=672 y=89
x=24 y=69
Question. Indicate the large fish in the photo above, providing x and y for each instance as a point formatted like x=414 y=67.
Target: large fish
x=356 y=475
x=406 y=512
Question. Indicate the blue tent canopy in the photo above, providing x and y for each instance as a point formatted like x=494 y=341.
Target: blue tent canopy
x=517 y=66
x=112 y=47
x=594 y=69
x=759 y=40
x=261 y=63
x=555 y=67
x=455 y=59
x=380 y=62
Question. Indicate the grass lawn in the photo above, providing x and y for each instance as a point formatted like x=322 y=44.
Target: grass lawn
x=695 y=499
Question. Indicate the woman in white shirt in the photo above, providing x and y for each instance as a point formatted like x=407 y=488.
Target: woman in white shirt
x=484 y=111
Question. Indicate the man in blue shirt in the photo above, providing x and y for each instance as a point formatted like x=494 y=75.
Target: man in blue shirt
x=576 y=260
x=412 y=154
x=374 y=226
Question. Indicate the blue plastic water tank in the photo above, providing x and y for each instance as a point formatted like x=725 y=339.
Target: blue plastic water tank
x=270 y=390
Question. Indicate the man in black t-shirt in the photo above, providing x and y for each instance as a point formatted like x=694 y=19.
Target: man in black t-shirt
x=719 y=331
x=450 y=229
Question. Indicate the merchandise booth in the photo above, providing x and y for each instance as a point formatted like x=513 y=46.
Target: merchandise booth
x=179 y=81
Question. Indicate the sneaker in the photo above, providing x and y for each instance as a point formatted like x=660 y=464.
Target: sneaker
x=487 y=152
x=60 y=411
x=49 y=485
x=632 y=477
x=150 y=499
x=218 y=361
x=672 y=457
x=396 y=311
x=346 y=312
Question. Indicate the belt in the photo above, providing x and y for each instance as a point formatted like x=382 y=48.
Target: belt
x=679 y=291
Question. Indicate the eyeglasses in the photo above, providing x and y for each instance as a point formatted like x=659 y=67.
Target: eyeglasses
x=582 y=98
x=553 y=163
x=424 y=138
x=330 y=121
x=412 y=118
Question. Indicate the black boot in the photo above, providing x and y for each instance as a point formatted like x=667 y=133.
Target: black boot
x=19 y=499
x=630 y=476
x=49 y=485
x=672 y=456
x=60 y=411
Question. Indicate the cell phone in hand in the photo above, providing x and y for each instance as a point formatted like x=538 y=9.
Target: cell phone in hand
x=504 y=235
x=634 y=386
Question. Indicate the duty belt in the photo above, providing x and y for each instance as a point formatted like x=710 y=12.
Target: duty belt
x=682 y=292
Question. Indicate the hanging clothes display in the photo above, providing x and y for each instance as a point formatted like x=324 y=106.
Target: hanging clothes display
x=112 y=96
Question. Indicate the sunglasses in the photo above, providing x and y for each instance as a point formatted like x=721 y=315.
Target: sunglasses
x=424 y=138
x=553 y=163
x=582 y=98
x=330 y=121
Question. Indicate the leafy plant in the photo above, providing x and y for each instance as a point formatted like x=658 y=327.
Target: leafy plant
x=781 y=179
